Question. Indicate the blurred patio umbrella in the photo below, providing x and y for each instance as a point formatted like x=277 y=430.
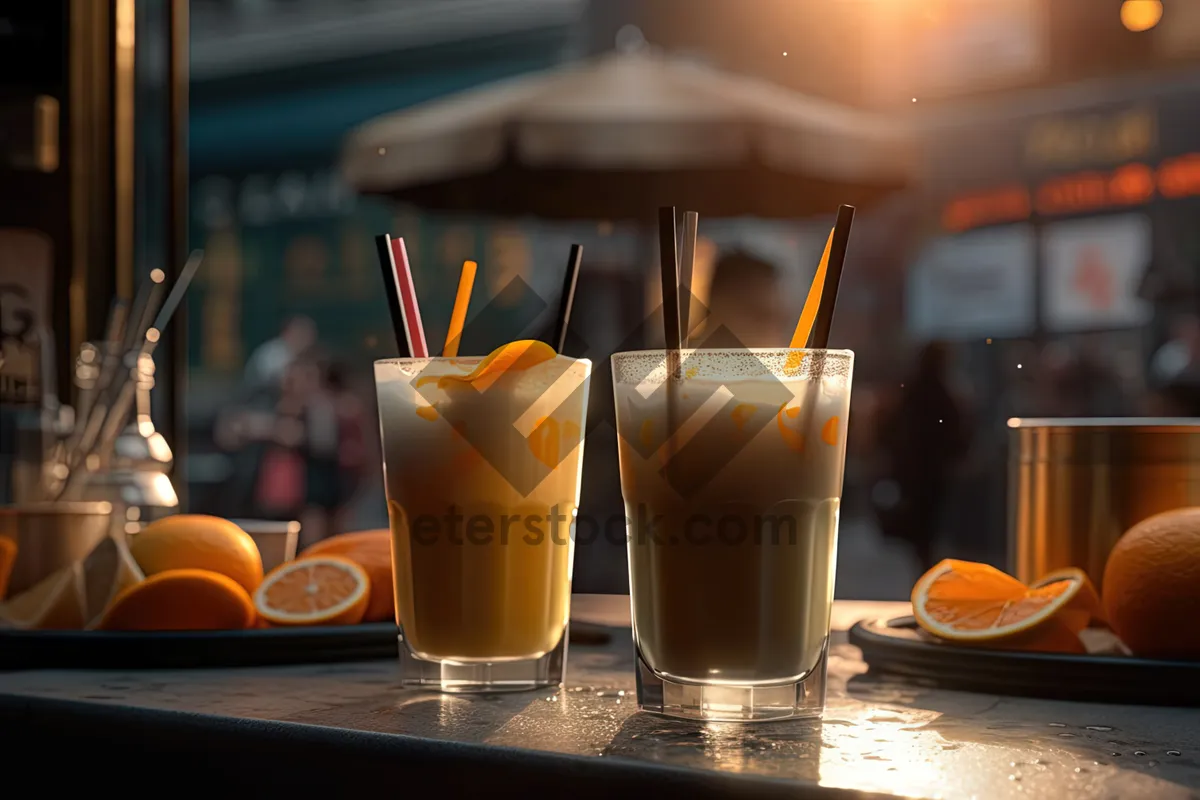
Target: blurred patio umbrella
x=618 y=136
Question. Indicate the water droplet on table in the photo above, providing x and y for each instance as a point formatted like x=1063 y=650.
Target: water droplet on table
x=1174 y=753
x=1102 y=728
x=1139 y=752
x=1058 y=724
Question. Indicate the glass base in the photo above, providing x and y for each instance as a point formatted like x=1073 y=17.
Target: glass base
x=498 y=676
x=719 y=703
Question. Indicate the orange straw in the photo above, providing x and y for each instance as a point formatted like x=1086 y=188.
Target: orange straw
x=458 y=317
x=809 y=315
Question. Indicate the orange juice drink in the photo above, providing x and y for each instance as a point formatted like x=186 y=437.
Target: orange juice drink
x=482 y=462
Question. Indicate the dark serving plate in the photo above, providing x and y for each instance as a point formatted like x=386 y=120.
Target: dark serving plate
x=893 y=647
x=183 y=649
x=189 y=649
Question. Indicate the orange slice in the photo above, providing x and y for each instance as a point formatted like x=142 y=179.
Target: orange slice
x=1052 y=636
x=180 y=600
x=519 y=355
x=1085 y=609
x=967 y=602
x=371 y=550
x=8 y=557
x=789 y=431
x=316 y=590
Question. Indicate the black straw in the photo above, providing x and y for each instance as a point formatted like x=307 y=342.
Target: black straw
x=670 y=276
x=833 y=276
x=567 y=299
x=387 y=265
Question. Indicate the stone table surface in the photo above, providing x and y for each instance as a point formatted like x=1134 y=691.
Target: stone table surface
x=877 y=734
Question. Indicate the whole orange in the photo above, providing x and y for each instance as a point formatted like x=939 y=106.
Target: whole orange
x=1152 y=586
x=198 y=541
x=371 y=550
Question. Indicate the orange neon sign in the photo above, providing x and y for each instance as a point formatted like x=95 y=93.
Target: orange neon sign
x=1131 y=185
x=1128 y=185
x=1083 y=191
x=1180 y=177
x=1007 y=204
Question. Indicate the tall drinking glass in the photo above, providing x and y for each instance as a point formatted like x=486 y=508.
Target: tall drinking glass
x=482 y=477
x=732 y=476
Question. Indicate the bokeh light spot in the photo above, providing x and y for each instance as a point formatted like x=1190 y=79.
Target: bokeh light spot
x=1141 y=15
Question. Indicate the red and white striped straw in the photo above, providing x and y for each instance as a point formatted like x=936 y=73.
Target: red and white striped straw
x=414 y=331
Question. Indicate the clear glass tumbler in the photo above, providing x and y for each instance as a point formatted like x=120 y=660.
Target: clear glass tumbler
x=482 y=480
x=731 y=470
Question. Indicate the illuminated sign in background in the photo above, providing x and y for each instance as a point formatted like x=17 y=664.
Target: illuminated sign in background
x=1077 y=193
x=1071 y=141
x=1110 y=164
x=1092 y=271
x=974 y=285
x=1085 y=177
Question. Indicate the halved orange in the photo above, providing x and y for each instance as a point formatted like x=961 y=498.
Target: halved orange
x=968 y=602
x=1085 y=608
x=315 y=590
x=180 y=600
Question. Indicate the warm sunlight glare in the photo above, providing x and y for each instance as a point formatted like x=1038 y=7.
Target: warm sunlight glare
x=1141 y=15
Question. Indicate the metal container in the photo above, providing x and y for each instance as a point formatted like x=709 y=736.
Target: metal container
x=276 y=540
x=51 y=536
x=1076 y=485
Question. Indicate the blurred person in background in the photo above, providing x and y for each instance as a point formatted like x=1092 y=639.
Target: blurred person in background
x=270 y=360
x=308 y=400
x=922 y=438
x=290 y=452
x=252 y=430
x=352 y=451
x=745 y=304
x=1074 y=381
x=284 y=476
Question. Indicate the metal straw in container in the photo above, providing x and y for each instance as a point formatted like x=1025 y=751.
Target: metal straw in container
x=148 y=319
